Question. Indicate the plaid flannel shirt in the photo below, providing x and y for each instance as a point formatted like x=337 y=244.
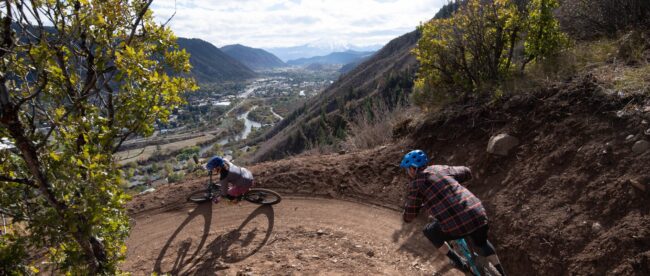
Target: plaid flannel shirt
x=437 y=189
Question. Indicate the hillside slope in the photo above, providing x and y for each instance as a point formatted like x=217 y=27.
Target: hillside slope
x=256 y=59
x=387 y=75
x=209 y=64
x=570 y=200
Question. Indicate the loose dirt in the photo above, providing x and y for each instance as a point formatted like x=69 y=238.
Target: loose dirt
x=300 y=236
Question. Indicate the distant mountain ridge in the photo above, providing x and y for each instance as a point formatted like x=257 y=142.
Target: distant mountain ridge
x=386 y=76
x=333 y=58
x=209 y=64
x=350 y=66
x=317 y=48
x=256 y=59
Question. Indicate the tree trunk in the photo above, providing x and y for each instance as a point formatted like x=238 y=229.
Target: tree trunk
x=9 y=119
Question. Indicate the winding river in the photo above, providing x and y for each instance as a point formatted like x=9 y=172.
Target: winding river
x=248 y=128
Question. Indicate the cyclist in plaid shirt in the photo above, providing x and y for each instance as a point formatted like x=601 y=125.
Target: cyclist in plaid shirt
x=458 y=213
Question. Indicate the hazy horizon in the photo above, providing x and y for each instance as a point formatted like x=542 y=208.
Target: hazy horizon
x=275 y=23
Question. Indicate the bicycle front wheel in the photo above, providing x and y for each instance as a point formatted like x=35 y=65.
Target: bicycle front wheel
x=262 y=196
x=199 y=196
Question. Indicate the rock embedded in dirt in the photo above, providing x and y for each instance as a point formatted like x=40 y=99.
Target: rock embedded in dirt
x=502 y=144
x=635 y=183
x=596 y=227
x=640 y=146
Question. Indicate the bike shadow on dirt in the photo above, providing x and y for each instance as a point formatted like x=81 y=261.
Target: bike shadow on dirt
x=231 y=247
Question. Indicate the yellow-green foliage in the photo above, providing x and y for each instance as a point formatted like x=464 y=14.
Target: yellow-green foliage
x=68 y=94
x=475 y=50
x=543 y=36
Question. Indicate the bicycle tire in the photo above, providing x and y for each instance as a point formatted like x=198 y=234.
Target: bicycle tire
x=484 y=266
x=262 y=196
x=199 y=196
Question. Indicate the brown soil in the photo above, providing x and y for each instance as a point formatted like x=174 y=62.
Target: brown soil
x=561 y=204
x=300 y=236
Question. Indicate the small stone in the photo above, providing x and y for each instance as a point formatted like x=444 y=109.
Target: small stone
x=644 y=122
x=637 y=184
x=640 y=146
x=647 y=132
x=502 y=144
x=629 y=138
x=320 y=232
x=596 y=227
x=370 y=253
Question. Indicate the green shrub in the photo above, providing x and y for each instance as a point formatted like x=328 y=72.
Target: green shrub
x=175 y=177
x=475 y=50
x=187 y=153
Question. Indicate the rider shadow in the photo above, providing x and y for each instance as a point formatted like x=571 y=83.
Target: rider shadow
x=217 y=252
x=204 y=210
x=236 y=245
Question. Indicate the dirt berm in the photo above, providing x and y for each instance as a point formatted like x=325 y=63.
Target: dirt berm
x=568 y=201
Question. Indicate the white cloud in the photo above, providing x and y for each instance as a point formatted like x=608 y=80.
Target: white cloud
x=275 y=23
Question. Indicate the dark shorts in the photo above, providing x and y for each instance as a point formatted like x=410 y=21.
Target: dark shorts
x=434 y=233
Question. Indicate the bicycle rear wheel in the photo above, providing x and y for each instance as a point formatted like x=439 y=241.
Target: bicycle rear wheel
x=262 y=196
x=199 y=196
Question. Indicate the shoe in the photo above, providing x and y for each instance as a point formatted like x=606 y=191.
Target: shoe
x=462 y=266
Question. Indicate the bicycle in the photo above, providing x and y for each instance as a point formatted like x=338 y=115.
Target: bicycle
x=254 y=195
x=478 y=265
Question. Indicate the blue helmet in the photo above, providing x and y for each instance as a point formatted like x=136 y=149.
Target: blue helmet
x=214 y=162
x=415 y=158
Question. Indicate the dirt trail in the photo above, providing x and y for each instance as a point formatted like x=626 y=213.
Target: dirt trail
x=299 y=236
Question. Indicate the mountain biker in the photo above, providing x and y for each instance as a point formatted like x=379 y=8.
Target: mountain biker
x=240 y=178
x=458 y=213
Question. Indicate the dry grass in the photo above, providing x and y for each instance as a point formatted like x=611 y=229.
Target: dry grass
x=633 y=80
x=596 y=57
x=368 y=131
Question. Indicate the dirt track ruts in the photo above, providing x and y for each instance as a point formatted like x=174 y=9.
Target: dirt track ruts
x=299 y=236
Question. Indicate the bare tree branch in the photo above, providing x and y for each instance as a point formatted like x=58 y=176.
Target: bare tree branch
x=137 y=21
x=170 y=18
x=23 y=181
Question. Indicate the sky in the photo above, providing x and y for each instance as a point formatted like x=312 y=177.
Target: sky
x=277 y=23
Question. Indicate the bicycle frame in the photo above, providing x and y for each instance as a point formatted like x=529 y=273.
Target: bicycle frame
x=211 y=186
x=469 y=256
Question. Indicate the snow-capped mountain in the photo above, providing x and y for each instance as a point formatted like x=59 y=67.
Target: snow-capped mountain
x=318 y=48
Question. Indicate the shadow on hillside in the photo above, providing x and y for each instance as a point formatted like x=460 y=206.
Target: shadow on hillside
x=231 y=247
